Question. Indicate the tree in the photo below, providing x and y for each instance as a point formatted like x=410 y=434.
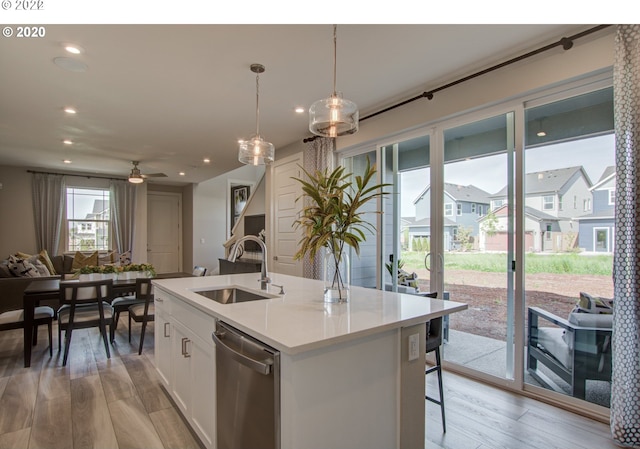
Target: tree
x=490 y=224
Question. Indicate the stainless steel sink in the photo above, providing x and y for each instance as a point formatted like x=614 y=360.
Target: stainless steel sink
x=231 y=295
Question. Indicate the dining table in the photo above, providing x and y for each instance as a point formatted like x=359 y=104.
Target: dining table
x=49 y=290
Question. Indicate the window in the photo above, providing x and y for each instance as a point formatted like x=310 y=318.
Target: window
x=612 y=197
x=87 y=219
x=586 y=204
x=497 y=203
x=448 y=210
x=547 y=202
x=473 y=208
x=459 y=206
x=575 y=201
x=559 y=202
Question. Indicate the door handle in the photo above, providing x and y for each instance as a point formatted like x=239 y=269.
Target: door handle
x=166 y=330
x=184 y=347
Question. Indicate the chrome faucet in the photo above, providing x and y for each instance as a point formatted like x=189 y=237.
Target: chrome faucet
x=264 y=275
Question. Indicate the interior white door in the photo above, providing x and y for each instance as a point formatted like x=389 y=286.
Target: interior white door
x=286 y=237
x=164 y=222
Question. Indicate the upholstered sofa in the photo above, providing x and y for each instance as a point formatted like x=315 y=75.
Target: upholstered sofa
x=12 y=288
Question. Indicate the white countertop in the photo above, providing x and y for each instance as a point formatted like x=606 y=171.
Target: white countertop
x=300 y=320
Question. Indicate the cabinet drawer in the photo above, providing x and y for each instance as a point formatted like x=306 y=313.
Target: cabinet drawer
x=193 y=319
x=162 y=300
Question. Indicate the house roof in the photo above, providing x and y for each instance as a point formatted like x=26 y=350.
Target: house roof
x=530 y=211
x=548 y=181
x=607 y=175
x=427 y=222
x=605 y=213
x=457 y=192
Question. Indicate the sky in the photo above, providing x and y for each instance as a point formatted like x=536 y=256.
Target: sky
x=489 y=173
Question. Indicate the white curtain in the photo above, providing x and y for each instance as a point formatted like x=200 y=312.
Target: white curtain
x=318 y=155
x=625 y=388
x=48 y=210
x=123 y=210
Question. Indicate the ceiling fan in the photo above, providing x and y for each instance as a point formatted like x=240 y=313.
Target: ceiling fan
x=136 y=177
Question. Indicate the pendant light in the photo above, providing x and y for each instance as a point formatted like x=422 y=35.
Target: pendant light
x=256 y=151
x=333 y=116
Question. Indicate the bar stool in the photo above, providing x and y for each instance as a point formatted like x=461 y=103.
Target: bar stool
x=433 y=343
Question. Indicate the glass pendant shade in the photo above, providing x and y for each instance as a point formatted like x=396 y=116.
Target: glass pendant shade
x=333 y=117
x=256 y=151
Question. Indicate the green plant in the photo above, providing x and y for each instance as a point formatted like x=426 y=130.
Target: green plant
x=334 y=216
x=389 y=266
x=149 y=268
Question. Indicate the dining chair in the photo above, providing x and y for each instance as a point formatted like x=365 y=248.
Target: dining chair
x=14 y=319
x=84 y=305
x=433 y=343
x=122 y=304
x=145 y=312
x=199 y=271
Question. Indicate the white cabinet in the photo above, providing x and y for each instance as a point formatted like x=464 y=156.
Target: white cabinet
x=162 y=335
x=185 y=357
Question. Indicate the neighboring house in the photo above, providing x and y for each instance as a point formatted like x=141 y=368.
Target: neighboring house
x=419 y=229
x=91 y=234
x=553 y=198
x=596 y=230
x=541 y=232
x=463 y=205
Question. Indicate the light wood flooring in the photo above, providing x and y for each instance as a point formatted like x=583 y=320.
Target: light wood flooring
x=95 y=402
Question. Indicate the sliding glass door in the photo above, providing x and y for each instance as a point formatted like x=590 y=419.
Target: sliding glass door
x=478 y=243
x=569 y=182
x=511 y=212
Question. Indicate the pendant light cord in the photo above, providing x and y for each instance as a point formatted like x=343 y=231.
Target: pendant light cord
x=257 y=104
x=335 y=58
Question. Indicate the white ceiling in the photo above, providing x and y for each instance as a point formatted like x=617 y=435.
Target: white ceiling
x=171 y=95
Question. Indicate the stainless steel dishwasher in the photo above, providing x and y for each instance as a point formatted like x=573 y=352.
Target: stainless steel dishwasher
x=247 y=391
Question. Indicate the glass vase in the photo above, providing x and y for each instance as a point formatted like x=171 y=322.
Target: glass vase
x=336 y=275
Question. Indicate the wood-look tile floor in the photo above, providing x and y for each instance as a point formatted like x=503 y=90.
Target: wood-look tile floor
x=95 y=402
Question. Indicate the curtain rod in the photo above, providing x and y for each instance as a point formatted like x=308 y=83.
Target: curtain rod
x=77 y=176
x=565 y=42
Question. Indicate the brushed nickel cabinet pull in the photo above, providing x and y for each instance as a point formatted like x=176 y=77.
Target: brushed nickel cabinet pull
x=184 y=347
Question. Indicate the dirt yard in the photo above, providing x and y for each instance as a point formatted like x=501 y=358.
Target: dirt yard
x=485 y=293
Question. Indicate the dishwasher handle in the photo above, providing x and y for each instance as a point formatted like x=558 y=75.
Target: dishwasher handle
x=260 y=366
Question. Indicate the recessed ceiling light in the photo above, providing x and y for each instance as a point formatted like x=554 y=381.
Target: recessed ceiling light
x=70 y=110
x=299 y=110
x=206 y=160
x=74 y=49
x=67 y=161
x=67 y=142
x=181 y=173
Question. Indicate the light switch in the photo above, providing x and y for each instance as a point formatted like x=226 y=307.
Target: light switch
x=202 y=241
x=414 y=347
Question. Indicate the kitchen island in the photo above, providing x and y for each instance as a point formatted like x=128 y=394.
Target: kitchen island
x=348 y=378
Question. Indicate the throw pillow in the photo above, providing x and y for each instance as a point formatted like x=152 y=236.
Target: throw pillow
x=22 y=267
x=45 y=259
x=592 y=304
x=125 y=258
x=80 y=260
x=4 y=269
x=39 y=266
x=108 y=258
